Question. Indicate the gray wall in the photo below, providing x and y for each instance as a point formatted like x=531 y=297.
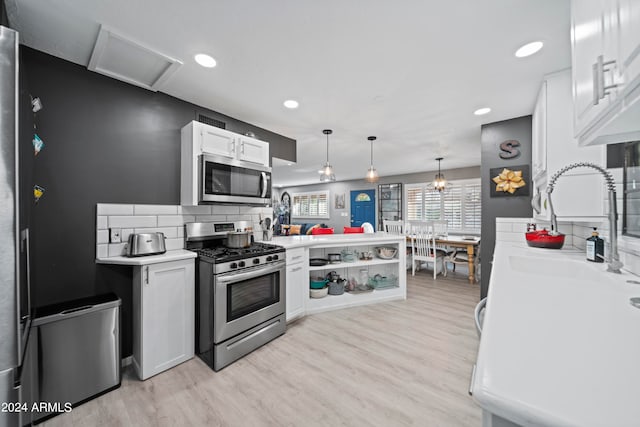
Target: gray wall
x=338 y=222
x=517 y=207
x=106 y=141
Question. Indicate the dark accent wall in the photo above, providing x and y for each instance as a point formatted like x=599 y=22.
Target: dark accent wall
x=105 y=142
x=514 y=207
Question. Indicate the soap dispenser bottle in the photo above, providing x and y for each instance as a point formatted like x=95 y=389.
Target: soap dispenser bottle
x=595 y=247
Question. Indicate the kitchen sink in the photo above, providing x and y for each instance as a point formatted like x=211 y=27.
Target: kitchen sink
x=549 y=267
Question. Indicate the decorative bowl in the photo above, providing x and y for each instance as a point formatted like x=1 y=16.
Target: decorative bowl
x=386 y=252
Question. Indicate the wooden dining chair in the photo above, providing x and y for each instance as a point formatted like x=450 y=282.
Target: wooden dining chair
x=460 y=256
x=424 y=247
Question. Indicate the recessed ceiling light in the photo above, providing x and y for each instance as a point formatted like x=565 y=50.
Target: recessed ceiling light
x=289 y=164
x=290 y=103
x=205 y=60
x=482 y=111
x=529 y=49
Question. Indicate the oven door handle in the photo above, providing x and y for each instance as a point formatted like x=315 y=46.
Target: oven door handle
x=233 y=276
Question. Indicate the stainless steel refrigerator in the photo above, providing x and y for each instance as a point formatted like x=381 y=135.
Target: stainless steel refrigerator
x=15 y=316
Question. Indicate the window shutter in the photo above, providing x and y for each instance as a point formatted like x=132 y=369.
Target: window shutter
x=432 y=205
x=472 y=207
x=310 y=205
x=414 y=203
x=452 y=207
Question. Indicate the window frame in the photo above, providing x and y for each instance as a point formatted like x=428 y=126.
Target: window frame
x=426 y=189
x=325 y=193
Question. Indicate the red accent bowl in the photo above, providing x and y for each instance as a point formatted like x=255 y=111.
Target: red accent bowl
x=542 y=239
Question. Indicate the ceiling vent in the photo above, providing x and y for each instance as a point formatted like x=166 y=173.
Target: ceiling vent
x=123 y=59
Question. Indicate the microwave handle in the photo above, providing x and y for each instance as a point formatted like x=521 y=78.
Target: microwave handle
x=263 y=184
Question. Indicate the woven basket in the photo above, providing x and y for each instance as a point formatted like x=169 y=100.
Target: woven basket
x=336 y=288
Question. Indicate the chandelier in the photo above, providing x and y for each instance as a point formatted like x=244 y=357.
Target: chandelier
x=439 y=183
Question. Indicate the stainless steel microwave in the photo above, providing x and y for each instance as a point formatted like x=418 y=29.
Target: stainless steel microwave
x=224 y=180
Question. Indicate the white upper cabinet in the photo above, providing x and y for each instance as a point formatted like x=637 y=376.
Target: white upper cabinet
x=629 y=39
x=539 y=136
x=605 y=37
x=579 y=193
x=199 y=138
x=216 y=141
x=253 y=150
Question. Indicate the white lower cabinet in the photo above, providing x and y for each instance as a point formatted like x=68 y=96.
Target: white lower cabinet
x=163 y=316
x=297 y=282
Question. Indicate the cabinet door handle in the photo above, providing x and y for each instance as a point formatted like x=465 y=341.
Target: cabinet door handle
x=242 y=147
x=296 y=269
x=146 y=281
x=600 y=88
x=296 y=257
x=233 y=146
x=596 y=84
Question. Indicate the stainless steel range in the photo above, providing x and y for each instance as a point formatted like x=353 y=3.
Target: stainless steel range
x=240 y=293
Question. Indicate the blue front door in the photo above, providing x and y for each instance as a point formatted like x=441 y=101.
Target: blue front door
x=363 y=207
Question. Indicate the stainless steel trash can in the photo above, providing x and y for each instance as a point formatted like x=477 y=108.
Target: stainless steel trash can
x=78 y=352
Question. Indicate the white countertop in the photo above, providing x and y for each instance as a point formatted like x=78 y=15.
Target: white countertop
x=560 y=343
x=334 y=239
x=175 y=255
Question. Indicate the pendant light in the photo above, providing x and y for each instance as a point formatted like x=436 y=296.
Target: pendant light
x=326 y=174
x=439 y=183
x=372 y=173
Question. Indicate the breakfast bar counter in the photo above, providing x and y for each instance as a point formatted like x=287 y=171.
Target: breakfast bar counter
x=390 y=270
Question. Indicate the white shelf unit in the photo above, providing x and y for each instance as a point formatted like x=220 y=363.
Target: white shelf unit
x=347 y=270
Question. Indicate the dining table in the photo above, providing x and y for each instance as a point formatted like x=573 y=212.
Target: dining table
x=470 y=243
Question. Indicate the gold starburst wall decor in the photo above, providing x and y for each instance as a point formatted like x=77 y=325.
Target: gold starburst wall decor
x=509 y=181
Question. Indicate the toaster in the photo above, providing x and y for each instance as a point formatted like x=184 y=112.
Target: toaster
x=141 y=244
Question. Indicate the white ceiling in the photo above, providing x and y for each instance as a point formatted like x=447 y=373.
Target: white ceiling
x=410 y=72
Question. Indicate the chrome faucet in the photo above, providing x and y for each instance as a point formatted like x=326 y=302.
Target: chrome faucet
x=613 y=262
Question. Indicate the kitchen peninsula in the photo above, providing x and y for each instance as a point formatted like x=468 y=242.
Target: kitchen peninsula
x=300 y=249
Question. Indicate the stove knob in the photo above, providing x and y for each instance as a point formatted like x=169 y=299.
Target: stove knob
x=269 y=258
x=256 y=260
x=233 y=265
x=241 y=264
x=275 y=257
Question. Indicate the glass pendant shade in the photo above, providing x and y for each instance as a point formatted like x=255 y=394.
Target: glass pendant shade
x=439 y=184
x=326 y=173
x=372 y=173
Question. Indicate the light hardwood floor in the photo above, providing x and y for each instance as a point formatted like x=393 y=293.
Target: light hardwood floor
x=392 y=364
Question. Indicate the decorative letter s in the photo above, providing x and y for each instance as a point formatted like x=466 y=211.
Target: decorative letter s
x=508 y=149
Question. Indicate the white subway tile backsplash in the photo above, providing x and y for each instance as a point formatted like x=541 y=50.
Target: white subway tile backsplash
x=102 y=251
x=211 y=218
x=171 y=220
x=169 y=232
x=114 y=209
x=125 y=233
x=225 y=210
x=238 y=217
x=503 y=236
x=167 y=219
x=132 y=221
x=155 y=210
x=102 y=236
x=102 y=223
x=504 y=226
x=194 y=210
x=174 y=244
x=117 y=249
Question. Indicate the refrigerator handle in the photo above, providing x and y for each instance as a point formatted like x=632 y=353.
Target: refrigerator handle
x=25 y=248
